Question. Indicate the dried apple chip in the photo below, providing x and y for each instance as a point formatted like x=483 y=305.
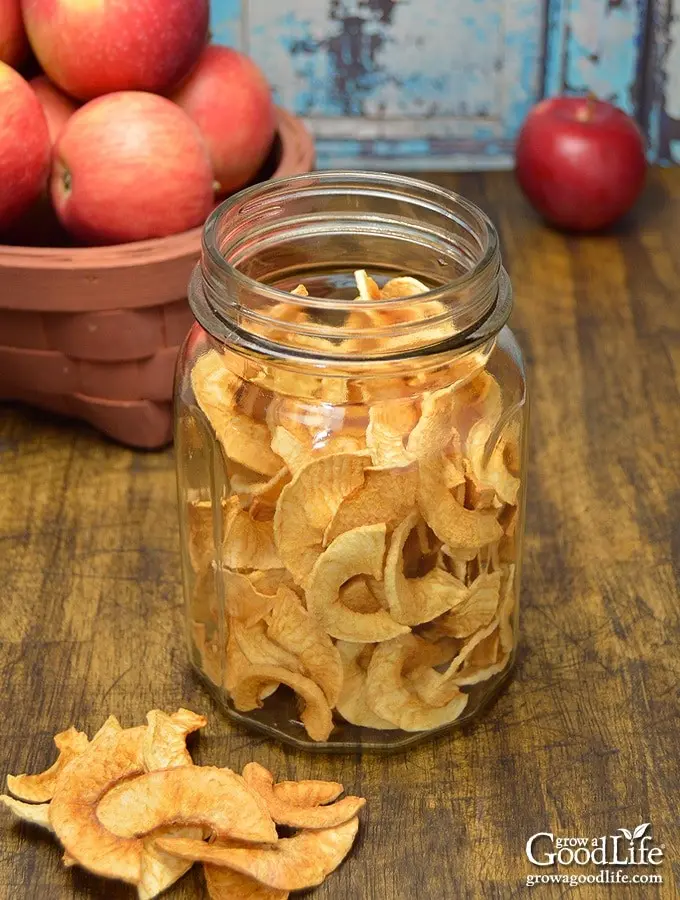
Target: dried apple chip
x=389 y=426
x=368 y=289
x=246 y=693
x=40 y=788
x=390 y=697
x=215 y=387
x=33 y=813
x=294 y=629
x=259 y=649
x=225 y=884
x=494 y=466
x=164 y=744
x=244 y=599
x=477 y=609
x=387 y=495
x=359 y=596
x=308 y=793
x=307 y=505
x=356 y=552
x=353 y=704
x=160 y=870
x=208 y=797
x=451 y=522
x=413 y=601
x=261 y=781
x=292 y=864
x=248 y=543
x=403 y=286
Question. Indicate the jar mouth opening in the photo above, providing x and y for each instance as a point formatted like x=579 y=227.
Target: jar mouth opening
x=316 y=230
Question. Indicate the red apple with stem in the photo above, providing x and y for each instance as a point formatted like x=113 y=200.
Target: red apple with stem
x=229 y=99
x=13 y=40
x=580 y=162
x=58 y=108
x=24 y=146
x=130 y=166
x=93 y=48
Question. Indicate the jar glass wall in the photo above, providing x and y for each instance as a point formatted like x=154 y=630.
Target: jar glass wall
x=351 y=414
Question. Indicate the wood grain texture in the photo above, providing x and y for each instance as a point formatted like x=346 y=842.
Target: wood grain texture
x=584 y=738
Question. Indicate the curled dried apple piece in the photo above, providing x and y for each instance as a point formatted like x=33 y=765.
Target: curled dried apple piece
x=225 y=884
x=259 y=649
x=477 y=608
x=387 y=495
x=33 y=813
x=164 y=743
x=389 y=695
x=447 y=517
x=308 y=793
x=248 y=543
x=353 y=704
x=356 y=552
x=292 y=864
x=307 y=505
x=389 y=426
x=413 y=601
x=40 y=788
x=243 y=600
x=211 y=798
x=293 y=628
x=496 y=465
x=261 y=781
x=249 y=683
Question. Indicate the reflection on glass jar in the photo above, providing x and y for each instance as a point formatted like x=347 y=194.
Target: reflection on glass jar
x=351 y=413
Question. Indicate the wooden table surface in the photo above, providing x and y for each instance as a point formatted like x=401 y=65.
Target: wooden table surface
x=582 y=741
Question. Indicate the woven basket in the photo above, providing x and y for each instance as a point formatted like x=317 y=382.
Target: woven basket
x=94 y=332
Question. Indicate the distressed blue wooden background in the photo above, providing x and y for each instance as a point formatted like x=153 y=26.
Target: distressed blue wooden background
x=446 y=83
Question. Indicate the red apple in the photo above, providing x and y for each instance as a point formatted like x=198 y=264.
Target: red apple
x=130 y=166
x=13 y=40
x=229 y=99
x=580 y=162
x=24 y=146
x=58 y=108
x=93 y=48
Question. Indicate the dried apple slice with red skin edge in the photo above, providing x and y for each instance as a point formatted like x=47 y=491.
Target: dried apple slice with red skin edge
x=356 y=552
x=292 y=864
x=293 y=628
x=40 y=788
x=200 y=796
x=225 y=884
x=261 y=780
x=308 y=792
x=116 y=755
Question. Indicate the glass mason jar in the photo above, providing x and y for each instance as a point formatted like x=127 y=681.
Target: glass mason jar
x=351 y=412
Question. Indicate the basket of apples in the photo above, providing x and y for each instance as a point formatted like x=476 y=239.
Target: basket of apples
x=111 y=158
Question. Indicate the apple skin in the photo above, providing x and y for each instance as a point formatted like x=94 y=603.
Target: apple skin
x=24 y=147
x=580 y=162
x=130 y=166
x=13 y=40
x=104 y=46
x=230 y=100
x=58 y=108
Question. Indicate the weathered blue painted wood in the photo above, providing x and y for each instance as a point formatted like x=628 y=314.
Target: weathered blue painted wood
x=422 y=83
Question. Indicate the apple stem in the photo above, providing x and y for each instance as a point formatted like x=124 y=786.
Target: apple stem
x=586 y=113
x=66 y=180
